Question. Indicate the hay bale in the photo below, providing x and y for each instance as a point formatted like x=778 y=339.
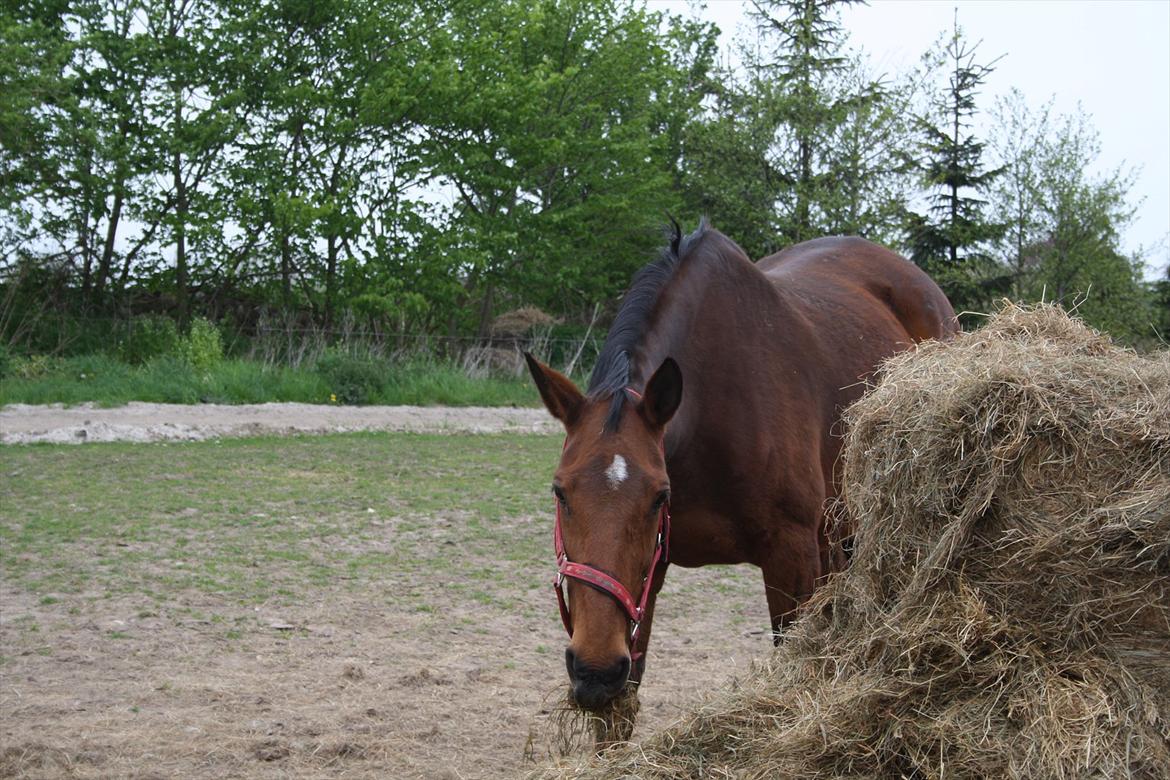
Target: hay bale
x=1006 y=613
x=520 y=322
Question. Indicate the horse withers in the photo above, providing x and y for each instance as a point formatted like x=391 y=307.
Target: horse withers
x=736 y=468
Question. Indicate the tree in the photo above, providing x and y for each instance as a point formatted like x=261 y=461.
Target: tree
x=795 y=78
x=867 y=178
x=1065 y=221
x=547 y=128
x=803 y=143
x=951 y=240
x=1018 y=137
x=1069 y=223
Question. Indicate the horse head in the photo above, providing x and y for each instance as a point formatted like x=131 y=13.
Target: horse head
x=612 y=493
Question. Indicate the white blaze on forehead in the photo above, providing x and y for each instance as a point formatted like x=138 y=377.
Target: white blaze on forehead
x=616 y=474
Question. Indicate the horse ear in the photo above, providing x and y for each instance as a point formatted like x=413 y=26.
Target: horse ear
x=561 y=397
x=663 y=394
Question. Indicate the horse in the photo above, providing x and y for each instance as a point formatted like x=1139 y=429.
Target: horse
x=740 y=466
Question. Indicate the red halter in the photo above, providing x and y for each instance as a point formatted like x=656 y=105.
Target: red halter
x=608 y=585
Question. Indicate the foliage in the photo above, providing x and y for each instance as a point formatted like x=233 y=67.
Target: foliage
x=351 y=380
x=108 y=381
x=202 y=347
x=550 y=139
x=805 y=142
x=952 y=238
x=148 y=337
x=1063 y=244
x=414 y=169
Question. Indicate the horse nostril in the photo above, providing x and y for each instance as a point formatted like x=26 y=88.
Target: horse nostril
x=571 y=663
x=617 y=674
x=625 y=669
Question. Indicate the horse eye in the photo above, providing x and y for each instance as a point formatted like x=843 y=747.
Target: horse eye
x=560 y=494
x=662 y=498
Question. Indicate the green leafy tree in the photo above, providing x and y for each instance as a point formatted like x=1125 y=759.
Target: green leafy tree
x=818 y=101
x=1017 y=138
x=1074 y=255
x=548 y=132
x=1065 y=221
x=867 y=180
x=34 y=53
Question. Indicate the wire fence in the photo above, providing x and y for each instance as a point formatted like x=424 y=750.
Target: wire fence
x=296 y=344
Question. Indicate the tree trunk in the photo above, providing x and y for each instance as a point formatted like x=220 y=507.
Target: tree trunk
x=485 y=312
x=104 y=266
x=803 y=222
x=331 y=260
x=181 y=292
x=119 y=186
x=330 y=281
x=286 y=269
x=84 y=233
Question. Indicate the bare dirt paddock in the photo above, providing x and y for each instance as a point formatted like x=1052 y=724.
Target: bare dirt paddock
x=409 y=673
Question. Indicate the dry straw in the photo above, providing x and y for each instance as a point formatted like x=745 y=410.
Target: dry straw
x=1006 y=613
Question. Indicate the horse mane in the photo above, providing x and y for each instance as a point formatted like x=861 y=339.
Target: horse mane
x=611 y=373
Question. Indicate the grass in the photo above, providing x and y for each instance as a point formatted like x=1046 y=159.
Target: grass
x=272 y=520
x=110 y=382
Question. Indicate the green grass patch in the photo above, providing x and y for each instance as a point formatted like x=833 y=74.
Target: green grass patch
x=273 y=520
x=108 y=381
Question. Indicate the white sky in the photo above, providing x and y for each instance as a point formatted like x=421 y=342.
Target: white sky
x=1111 y=56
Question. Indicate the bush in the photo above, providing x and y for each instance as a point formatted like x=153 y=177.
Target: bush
x=5 y=360
x=150 y=336
x=352 y=380
x=202 y=348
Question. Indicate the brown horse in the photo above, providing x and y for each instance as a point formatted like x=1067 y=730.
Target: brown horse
x=771 y=353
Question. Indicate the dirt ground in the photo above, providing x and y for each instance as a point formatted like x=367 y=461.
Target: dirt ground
x=354 y=683
x=23 y=424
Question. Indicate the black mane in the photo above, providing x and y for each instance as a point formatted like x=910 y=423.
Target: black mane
x=611 y=374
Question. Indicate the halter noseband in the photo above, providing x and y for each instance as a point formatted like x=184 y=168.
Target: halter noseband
x=603 y=582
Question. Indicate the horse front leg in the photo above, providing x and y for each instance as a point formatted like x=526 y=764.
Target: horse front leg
x=791 y=569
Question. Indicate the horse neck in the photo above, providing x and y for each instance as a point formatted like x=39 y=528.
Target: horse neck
x=720 y=292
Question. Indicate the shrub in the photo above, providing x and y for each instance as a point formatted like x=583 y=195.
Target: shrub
x=353 y=380
x=202 y=348
x=149 y=336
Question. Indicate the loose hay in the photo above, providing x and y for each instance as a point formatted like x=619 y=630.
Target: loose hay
x=1006 y=611
x=566 y=729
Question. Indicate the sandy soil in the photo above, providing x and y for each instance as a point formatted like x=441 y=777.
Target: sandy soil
x=355 y=682
x=350 y=685
x=23 y=424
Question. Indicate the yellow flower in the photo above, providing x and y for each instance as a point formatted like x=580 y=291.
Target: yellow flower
x=333 y=398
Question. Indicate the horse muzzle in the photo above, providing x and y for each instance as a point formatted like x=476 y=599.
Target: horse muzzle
x=591 y=687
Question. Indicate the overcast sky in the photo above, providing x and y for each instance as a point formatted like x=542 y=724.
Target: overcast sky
x=1111 y=56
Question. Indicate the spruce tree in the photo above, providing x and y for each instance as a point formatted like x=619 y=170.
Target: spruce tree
x=951 y=238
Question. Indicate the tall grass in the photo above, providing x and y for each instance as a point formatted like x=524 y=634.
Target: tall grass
x=110 y=382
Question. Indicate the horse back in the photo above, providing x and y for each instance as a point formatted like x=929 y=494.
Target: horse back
x=850 y=281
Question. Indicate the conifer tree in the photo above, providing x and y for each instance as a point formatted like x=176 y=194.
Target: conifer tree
x=950 y=239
